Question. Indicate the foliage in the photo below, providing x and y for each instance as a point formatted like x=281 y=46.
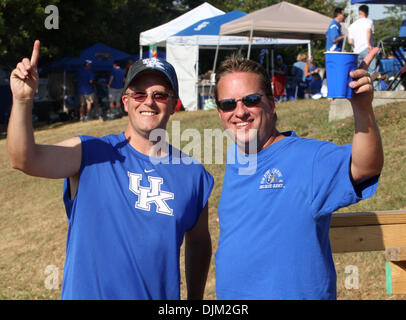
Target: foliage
x=116 y=23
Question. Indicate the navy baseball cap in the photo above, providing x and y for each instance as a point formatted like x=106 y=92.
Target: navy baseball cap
x=155 y=64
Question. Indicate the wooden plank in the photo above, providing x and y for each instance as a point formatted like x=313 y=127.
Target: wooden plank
x=396 y=253
x=396 y=277
x=368 y=218
x=367 y=238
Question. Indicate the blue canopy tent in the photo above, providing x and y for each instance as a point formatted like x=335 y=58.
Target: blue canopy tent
x=210 y=26
x=103 y=56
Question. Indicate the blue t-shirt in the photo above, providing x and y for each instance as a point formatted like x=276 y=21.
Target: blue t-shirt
x=118 y=78
x=333 y=32
x=274 y=224
x=84 y=76
x=127 y=222
x=298 y=71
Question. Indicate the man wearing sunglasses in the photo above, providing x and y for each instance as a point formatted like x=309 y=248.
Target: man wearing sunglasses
x=274 y=222
x=127 y=214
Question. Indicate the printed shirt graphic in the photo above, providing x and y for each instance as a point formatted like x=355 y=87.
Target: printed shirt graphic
x=272 y=179
x=274 y=224
x=127 y=222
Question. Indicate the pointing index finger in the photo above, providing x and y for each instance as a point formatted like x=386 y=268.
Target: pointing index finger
x=35 y=54
x=369 y=57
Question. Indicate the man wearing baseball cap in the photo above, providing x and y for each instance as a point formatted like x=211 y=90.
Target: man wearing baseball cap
x=127 y=212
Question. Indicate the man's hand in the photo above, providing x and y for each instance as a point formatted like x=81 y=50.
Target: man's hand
x=362 y=84
x=24 y=78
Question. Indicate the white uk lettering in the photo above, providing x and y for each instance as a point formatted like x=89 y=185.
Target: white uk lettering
x=153 y=194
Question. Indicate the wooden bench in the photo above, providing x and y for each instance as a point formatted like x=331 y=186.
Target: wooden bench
x=374 y=231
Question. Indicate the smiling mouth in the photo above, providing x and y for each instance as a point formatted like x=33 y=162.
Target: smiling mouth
x=148 y=113
x=242 y=124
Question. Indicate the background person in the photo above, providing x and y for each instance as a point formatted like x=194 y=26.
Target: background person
x=127 y=214
x=360 y=36
x=279 y=78
x=116 y=85
x=334 y=34
x=274 y=223
x=85 y=79
x=299 y=77
x=313 y=79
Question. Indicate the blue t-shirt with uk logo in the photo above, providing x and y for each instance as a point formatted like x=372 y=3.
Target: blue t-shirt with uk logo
x=274 y=222
x=128 y=219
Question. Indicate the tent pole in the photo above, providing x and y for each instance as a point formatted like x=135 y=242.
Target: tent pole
x=216 y=55
x=215 y=63
x=249 y=44
x=65 y=109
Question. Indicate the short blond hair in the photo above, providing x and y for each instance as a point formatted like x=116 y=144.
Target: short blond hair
x=301 y=57
x=238 y=63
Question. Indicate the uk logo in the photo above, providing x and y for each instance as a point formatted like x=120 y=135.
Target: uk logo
x=150 y=195
x=153 y=63
x=272 y=179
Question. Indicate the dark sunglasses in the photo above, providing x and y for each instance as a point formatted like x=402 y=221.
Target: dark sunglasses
x=158 y=96
x=249 y=101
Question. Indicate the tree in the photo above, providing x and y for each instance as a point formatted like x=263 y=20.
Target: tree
x=113 y=22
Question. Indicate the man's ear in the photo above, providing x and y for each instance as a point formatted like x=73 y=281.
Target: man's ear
x=174 y=104
x=124 y=98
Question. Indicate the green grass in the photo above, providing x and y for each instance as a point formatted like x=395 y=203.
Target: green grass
x=33 y=224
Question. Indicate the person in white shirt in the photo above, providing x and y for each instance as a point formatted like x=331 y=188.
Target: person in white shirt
x=360 y=36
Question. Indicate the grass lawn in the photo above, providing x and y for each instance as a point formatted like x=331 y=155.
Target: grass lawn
x=33 y=224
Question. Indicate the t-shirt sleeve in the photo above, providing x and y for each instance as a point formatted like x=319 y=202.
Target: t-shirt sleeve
x=203 y=189
x=331 y=185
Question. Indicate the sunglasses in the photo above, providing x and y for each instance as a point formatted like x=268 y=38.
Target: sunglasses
x=158 y=96
x=250 y=100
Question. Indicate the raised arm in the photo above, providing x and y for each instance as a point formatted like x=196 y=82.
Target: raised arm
x=197 y=256
x=50 y=161
x=367 y=152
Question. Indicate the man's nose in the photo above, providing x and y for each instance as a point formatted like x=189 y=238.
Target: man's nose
x=241 y=109
x=149 y=99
